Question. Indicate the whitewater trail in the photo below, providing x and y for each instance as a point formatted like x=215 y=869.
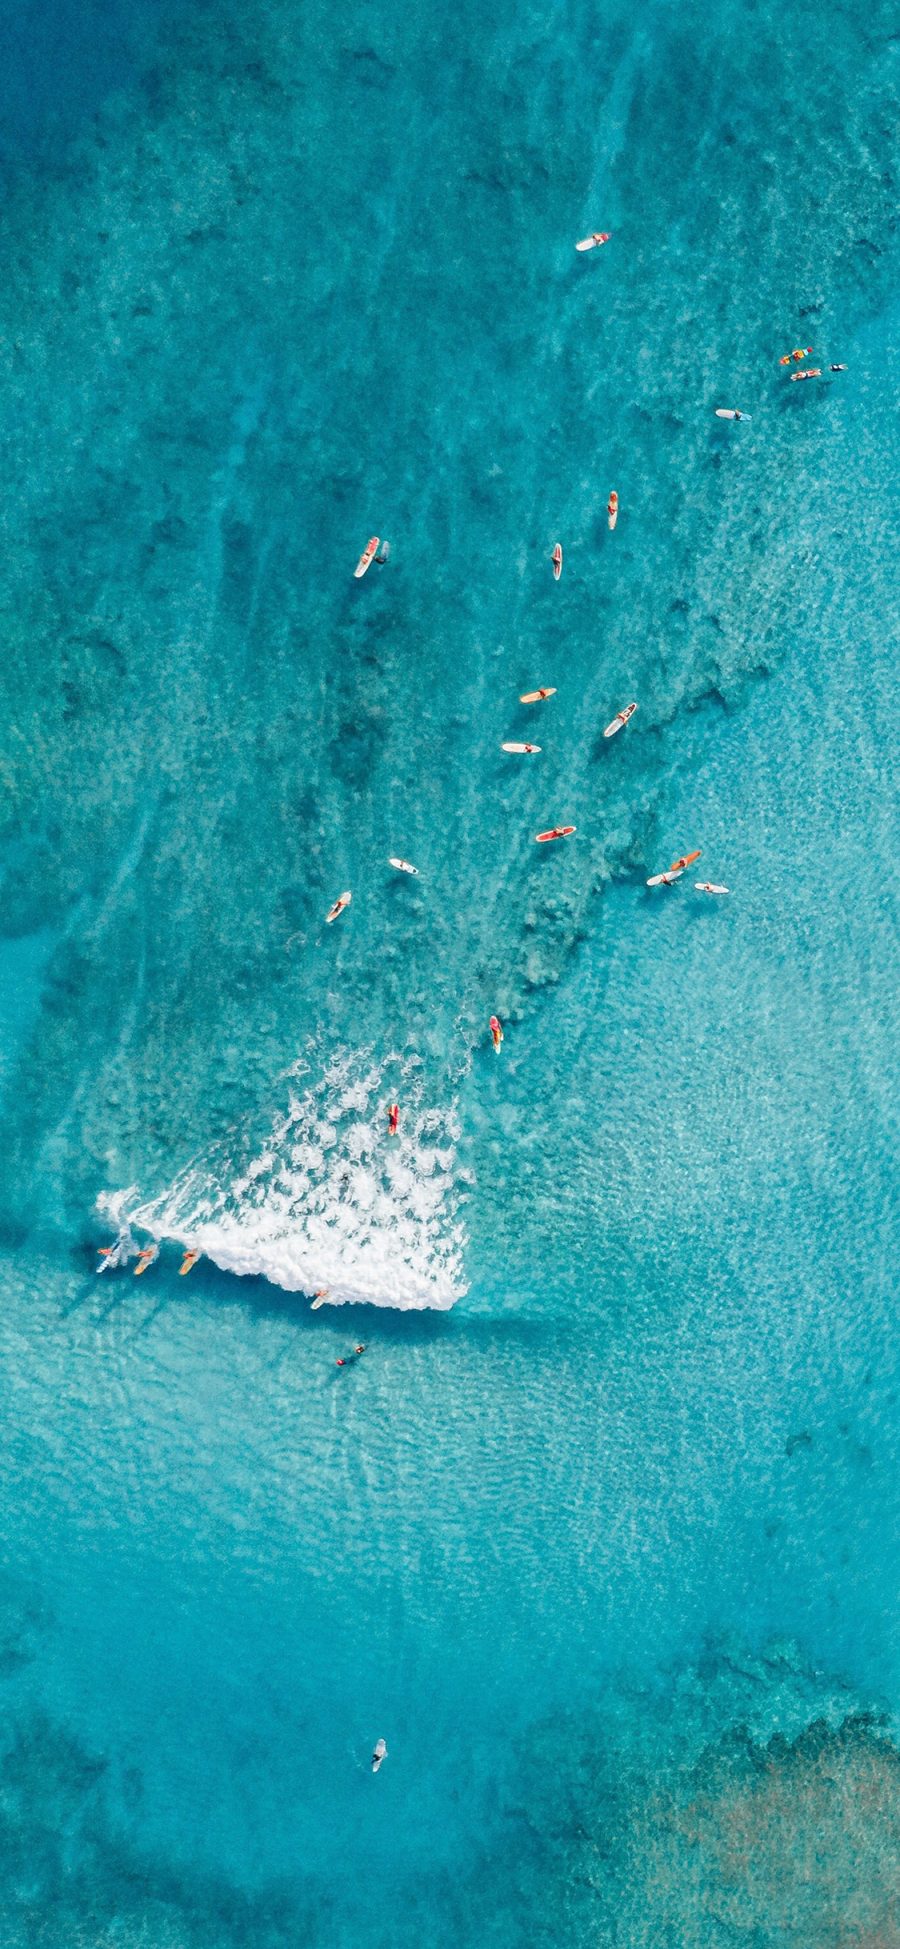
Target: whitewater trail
x=328 y=1199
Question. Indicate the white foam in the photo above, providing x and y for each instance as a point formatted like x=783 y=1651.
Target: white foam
x=330 y=1200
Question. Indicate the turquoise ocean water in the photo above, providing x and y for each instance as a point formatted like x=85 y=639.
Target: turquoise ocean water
x=601 y=1535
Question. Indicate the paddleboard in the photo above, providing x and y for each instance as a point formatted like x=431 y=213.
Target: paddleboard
x=557 y=562
x=706 y=886
x=556 y=832
x=402 y=865
x=596 y=237
x=612 y=508
x=620 y=718
x=535 y=696
x=520 y=747
x=367 y=557
x=338 y=908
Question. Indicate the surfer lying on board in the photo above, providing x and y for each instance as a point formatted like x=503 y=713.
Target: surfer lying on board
x=122 y=1249
x=393 y=1117
x=348 y=1358
x=496 y=1032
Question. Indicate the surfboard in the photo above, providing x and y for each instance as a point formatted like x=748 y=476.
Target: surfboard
x=813 y=372
x=556 y=832
x=145 y=1259
x=367 y=557
x=557 y=562
x=596 y=237
x=706 y=886
x=379 y=1755
x=612 y=508
x=402 y=865
x=730 y=413
x=535 y=696
x=320 y=1299
x=678 y=865
x=338 y=908
x=619 y=720
x=520 y=747
x=662 y=879
x=188 y=1263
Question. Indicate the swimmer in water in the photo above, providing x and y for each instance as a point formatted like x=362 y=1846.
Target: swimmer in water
x=839 y=368
x=496 y=1032
x=385 y=551
x=393 y=1117
x=348 y=1358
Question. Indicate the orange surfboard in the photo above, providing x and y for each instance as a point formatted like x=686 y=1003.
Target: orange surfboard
x=535 y=696
x=557 y=562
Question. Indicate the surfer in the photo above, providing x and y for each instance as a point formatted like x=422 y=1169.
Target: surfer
x=338 y=908
x=348 y=1358
x=707 y=886
x=556 y=559
x=612 y=508
x=812 y=372
x=146 y=1257
x=379 y=1754
x=393 y=1117
x=799 y=352
x=188 y=1263
x=319 y=1297
x=840 y=368
x=122 y=1249
x=731 y=413
x=535 y=696
x=381 y=558
x=496 y=1032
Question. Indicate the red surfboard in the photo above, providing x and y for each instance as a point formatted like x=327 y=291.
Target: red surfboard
x=556 y=832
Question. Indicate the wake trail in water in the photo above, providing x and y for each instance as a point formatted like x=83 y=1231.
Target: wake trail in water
x=329 y=1199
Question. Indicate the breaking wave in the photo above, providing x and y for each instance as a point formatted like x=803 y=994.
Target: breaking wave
x=329 y=1200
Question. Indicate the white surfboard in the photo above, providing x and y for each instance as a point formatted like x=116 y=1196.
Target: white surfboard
x=706 y=886
x=402 y=865
x=520 y=747
x=379 y=1755
x=367 y=557
x=621 y=718
x=730 y=413
x=596 y=237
